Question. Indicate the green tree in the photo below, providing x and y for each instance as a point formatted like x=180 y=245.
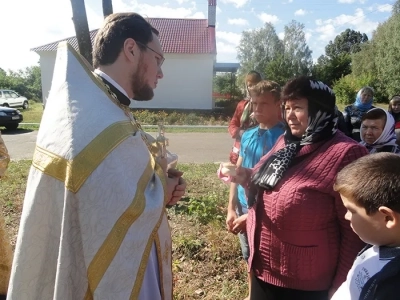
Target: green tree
x=337 y=60
x=224 y=83
x=386 y=41
x=25 y=82
x=257 y=48
x=347 y=42
x=297 y=54
x=396 y=8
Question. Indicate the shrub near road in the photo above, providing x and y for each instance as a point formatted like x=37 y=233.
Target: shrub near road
x=206 y=259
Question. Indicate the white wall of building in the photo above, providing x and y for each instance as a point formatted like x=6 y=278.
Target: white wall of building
x=47 y=61
x=187 y=82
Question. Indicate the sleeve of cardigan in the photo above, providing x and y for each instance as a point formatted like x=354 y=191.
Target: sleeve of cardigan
x=234 y=124
x=5 y=258
x=4 y=157
x=350 y=243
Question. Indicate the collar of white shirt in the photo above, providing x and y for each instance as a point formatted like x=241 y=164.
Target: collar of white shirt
x=112 y=81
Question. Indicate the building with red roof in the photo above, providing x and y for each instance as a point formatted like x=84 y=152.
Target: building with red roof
x=190 y=55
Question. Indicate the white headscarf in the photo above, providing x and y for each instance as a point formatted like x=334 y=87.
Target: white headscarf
x=387 y=138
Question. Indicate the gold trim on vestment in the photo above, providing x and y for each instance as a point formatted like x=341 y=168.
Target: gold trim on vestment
x=160 y=264
x=75 y=172
x=113 y=241
x=143 y=264
x=86 y=66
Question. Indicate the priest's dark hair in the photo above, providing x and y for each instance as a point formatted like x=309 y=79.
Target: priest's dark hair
x=111 y=37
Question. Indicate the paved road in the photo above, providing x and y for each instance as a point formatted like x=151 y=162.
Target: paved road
x=191 y=147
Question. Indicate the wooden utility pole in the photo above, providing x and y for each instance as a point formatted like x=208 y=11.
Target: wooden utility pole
x=82 y=29
x=107 y=8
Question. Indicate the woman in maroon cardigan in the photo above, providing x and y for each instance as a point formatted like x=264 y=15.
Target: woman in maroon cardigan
x=301 y=246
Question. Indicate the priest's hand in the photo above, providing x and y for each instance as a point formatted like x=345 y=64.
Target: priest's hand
x=176 y=186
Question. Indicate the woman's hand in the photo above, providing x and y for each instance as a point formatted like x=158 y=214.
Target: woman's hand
x=242 y=176
x=239 y=225
x=230 y=218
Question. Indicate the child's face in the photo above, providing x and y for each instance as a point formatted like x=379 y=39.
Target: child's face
x=370 y=228
x=396 y=106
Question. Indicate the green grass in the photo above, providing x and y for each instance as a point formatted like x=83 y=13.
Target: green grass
x=33 y=114
x=206 y=259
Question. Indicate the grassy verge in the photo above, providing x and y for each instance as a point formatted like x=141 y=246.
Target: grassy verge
x=206 y=259
x=33 y=114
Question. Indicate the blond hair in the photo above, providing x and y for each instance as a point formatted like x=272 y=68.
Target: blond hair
x=266 y=86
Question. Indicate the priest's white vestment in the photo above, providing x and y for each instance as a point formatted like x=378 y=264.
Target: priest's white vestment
x=94 y=207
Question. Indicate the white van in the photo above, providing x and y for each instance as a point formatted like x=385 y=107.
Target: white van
x=10 y=98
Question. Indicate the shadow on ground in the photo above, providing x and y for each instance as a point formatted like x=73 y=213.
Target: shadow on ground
x=15 y=132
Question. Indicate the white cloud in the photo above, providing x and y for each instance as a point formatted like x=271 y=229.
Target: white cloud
x=281 y=35
x=384 y=8
x=268 y=18
x=351 y=1
x=225 y=48
x=328 y=29
x=230 y=37
x=380 y=8
x=308 y=35
x=226 y=53
x=238 y=21
x=237 y=3
x=300 y=12
x=182 y=1
x=158 y=11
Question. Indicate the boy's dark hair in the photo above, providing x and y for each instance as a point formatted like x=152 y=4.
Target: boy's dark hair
x=372 y=181
x=266 y=86
x=374 y=114
x=118 y=27
x=319 y=95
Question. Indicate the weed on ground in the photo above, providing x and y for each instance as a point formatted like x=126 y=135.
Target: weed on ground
x=207 y=260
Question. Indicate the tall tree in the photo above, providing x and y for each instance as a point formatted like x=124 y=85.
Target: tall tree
x=224 y=83
x=257 y=48
x=387 y=54
x=396 y=8
x=107 y=8
x=296 y=51
x=336 y=62
x=347 y=42
x=82 y=29
x=363 y=62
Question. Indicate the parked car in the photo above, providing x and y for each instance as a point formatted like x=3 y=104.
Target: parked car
x=10 y=98
x=10 y=118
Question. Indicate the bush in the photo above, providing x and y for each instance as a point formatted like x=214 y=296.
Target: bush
x=347 y=87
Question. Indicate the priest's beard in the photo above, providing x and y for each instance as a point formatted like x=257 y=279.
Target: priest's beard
x=141 y=90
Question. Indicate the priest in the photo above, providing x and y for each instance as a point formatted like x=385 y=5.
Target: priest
x=94 y=223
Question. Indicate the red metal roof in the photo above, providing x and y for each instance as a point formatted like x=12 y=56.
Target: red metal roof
x=189 y=36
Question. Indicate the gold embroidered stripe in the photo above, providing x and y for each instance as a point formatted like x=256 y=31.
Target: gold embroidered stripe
x=143 y=264
x=160 y=265
x=75 y=172
x=113 y=241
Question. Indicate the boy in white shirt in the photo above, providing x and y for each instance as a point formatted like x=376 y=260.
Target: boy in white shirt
x=370 y=190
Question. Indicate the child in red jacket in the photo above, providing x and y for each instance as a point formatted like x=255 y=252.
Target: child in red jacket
x=242 y=119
